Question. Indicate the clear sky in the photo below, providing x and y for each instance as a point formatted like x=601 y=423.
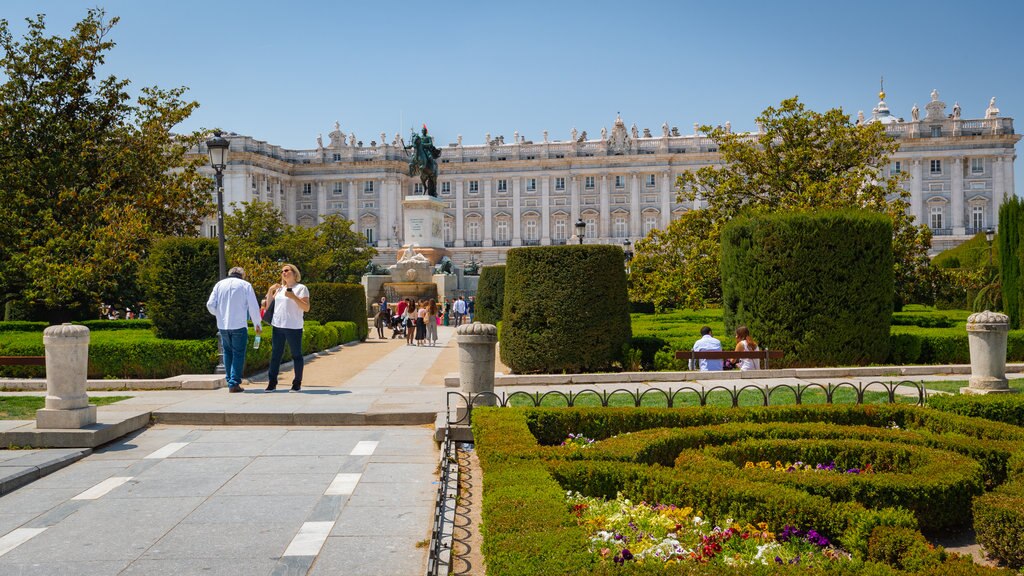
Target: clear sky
x=286 y=71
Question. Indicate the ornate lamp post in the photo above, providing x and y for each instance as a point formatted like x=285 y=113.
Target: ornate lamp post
x=990 y=234
x=627 y=250
x=218 y=148
x=581 y=227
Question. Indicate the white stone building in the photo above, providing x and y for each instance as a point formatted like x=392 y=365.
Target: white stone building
x=621 y=183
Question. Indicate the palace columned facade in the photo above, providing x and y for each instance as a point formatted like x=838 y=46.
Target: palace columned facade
x=621 y=183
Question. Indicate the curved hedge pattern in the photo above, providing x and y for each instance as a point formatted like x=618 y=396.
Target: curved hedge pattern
x=930 y=465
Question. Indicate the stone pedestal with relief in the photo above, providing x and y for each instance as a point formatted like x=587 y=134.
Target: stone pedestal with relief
x=986 y=335
x=67 y=362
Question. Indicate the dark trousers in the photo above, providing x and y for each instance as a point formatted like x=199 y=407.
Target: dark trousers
x=293 y=336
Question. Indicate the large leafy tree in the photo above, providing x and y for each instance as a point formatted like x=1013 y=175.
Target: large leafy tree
x=800 y=160
x=257 y=238
x=89 y=175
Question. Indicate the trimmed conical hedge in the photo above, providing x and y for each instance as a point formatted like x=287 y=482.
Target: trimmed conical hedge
x=818 y=286
x=566 y=309
x=490 y=294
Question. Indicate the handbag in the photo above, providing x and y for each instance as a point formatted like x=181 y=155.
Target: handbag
x=268 y=314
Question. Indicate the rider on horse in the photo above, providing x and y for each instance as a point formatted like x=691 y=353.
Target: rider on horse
x=423 y=160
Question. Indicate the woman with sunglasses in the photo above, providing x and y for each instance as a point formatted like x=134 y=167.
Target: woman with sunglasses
x=291 y=301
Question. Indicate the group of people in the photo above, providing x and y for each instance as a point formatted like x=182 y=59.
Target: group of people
x=233 y=302
x=108 y=312
x=708 y=343
x=405 y=317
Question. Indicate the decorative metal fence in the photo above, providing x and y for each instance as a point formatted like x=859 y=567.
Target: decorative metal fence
x=439 y=557
x=463 y=404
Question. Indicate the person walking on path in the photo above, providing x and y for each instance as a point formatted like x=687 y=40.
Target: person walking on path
x=291 y=302
x=470 y=309
x=421 y=322
x=460 y=311
x=708 y=343
x=432 y=321
x=409 y=321
x=383 y=317
x=447 y=311
x=233 y=302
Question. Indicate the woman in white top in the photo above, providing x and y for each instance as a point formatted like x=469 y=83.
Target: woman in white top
x=291 y=301
x=744 y=343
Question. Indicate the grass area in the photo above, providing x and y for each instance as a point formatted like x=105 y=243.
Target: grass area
x=954 y=386
x=24 y=407
x=715 y=398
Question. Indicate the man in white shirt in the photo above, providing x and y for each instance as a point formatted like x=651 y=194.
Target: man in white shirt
x=233 y=302
x=707 y=343
x=460 y=310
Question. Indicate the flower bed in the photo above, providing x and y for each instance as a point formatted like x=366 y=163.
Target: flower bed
x=677 y=457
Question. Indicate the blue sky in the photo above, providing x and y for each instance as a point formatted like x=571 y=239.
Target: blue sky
x=285 y=71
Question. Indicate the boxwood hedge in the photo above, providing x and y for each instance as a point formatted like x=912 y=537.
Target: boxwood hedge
x=565 y=309
x=673 y=456
x=818 y=286
x=178 y=277
x=490 y=295
x=338 y=302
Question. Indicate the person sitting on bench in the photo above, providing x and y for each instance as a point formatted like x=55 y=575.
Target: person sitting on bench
x=707 y=343
x=744 y=343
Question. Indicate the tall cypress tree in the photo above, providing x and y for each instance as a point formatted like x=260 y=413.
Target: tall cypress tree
x=1010 y=254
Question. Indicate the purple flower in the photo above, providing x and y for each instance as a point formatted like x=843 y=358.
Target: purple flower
x=778 y=560
x=626 y=554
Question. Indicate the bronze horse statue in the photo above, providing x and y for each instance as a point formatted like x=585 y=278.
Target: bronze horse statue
x=424 y=160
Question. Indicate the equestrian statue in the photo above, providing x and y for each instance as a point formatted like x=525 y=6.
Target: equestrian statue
x=424 y=160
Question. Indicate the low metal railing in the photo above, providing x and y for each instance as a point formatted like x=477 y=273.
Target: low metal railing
x=439 y=556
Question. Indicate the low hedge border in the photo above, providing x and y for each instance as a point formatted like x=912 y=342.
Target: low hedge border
x=999 y=522
x=511 y=439
x=27 y=326
x=1008 y=408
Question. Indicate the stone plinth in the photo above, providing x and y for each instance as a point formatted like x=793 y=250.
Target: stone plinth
x=67 y=361
x=986 y=335
x=424 y=224
x=476 y=359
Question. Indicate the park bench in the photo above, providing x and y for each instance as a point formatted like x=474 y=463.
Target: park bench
x=22 y=360
x=762 y=355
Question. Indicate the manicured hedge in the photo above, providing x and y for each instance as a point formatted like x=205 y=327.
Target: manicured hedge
x=566 y=309
x=315 y=338
x=338 y=302
x=1011 y=213
x=528 y=529
x=490 y=295
x=818 y=286
x=92 y=325
x=178 y=277
x=1007 y=408
x=999 y=522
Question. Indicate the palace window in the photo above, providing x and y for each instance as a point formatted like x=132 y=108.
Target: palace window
x=591 y=227
x=936 y=217
x=473 y=231
x=531 y=184
x=502 y=185
x=650 y=181
x=213 y=231
x=936 y=131
x=896 y=167
x=501 y=230
x=368 y=187
x=936 y=166
x=447 y=230
x=588 y=182
x=650 y=223
x=977 y=217
x=446 y=187
x=369 y=204
x=369 y=233
x=474 y=186
x=338 y=189
x=337 y=157
x=619 y=229
x=620 y=182
x=531 y=230
x=560 y=229
x=417 y=188
x=306 y=206
x=307 y=189
x=977 y=165
x=559 y=183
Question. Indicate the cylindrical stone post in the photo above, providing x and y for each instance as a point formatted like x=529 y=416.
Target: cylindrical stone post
x=986 y=335
x=67 y=362
x=476 y=360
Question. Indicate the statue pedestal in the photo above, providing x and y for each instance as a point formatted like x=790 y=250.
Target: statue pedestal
x=424 y=227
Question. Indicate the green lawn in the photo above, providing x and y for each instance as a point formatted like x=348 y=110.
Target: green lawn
x=24 y=407
x=716 y=398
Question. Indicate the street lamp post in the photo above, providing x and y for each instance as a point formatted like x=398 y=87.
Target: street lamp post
x=581 y=227
x=990 y=234
x=627 y=252
x=218 y=148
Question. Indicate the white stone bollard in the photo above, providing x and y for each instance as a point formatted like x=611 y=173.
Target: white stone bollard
x=476 y=360
x=986 y=334
x=67 y=362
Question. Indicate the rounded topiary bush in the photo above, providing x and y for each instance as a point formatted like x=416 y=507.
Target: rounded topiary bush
x=490 y=294
x=818 y=286
x=338 y=302
x=565 y=309
x=178 y=278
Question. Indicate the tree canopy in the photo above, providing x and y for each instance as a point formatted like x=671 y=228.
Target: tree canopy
x=89 y=175
x=800 y=160
x=257 y=238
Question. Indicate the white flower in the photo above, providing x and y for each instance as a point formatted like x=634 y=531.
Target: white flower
x=697 y=521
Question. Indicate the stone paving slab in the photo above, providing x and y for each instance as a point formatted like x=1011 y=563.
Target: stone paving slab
x=21 y=467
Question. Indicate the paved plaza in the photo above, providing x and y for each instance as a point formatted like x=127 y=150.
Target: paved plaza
x=337 y=479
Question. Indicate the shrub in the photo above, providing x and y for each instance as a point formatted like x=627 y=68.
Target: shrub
x=337 y=302
x=22 y=326
x=490 y=294
x=565 y=309
x=816 y=285
x=648 y=347
x=1008 y=408
x=999 y=522
x=178 y=277
x=1008 y=242
x=902 y=548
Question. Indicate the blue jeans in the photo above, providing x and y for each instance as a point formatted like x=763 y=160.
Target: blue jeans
x=278 y=338
x=234 y=343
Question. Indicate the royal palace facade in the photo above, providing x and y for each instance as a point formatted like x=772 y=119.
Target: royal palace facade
x=620 y=183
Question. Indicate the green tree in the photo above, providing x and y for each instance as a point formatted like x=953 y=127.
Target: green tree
x=88 y=176
x=801 y=160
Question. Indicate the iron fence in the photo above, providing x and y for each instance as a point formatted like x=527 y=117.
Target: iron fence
x=439 y=557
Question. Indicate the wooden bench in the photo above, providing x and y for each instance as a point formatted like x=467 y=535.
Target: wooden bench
x=22 y=360
x=762 y=355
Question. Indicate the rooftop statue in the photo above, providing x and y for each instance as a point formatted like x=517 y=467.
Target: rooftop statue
x=424 y=160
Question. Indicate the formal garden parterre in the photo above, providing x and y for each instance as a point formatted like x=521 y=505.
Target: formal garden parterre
x=931 y=472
